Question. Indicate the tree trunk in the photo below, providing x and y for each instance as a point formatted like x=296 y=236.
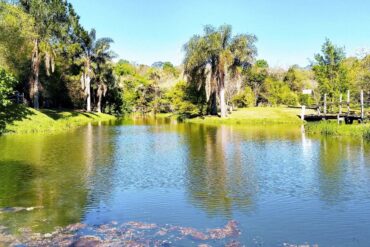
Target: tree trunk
x=155 y=99
x=99 y=103
x=256 y=94
x=88 y=93
x=100 y=96
x=34 y=78
x=213 y=104
x=222 y=102
x=222 y=96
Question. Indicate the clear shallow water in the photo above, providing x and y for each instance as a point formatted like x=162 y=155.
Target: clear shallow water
x=281 y=186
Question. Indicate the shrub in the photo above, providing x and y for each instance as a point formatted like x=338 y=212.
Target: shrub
x=278 y=92
x=7 y=82
x=244 y=99
x=184 y=100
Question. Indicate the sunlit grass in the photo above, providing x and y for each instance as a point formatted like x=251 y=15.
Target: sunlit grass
x=332 y=128
x=255 y=115
x=45 y=121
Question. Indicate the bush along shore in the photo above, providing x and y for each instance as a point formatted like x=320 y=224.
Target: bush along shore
x=332 y=128
x=25 y=120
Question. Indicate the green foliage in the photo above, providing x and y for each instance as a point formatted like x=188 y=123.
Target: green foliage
x=277 y=92
x=244 y=99
x=140 y=92
x=261 y=63
x=297 y=79
x=329 y=71
x=185 y=101
x=332 y=128
x=210 y=56
x=306 y=100
x=170 y=69
x=43 y=43
x=358 y=73
x=124 y=68
x=7 y=83
x=255 y=78
x=17 y=32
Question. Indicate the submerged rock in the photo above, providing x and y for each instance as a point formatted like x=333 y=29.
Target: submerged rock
x=75 y=227
x=233 y=244
x=140 y=225
x=188 y=231
x=87 y=241
x=18 y=209
x=134 y=234
x=300 y=245
x=231 y=229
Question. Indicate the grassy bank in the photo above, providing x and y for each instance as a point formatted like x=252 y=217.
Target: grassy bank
x=332 y=128
x=27 y=120
x=255 y=115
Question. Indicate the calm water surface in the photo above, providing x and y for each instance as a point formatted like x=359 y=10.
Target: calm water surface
x=280 y=185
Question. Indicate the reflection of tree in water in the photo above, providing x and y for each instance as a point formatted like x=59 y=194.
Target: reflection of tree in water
x=100 y=151
x=339 y=167
x=54 y=177
x=218 y=178
x=15 y=179
x=331 y=168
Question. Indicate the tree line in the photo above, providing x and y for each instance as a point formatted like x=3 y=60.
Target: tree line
x=46 y=54
x=55 y=61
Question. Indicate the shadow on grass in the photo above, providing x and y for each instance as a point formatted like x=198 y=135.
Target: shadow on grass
x=58 y=114
x=54 y=114
x=13 y=113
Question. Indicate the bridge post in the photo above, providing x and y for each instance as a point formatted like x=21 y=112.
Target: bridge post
x=324 y=104
x=348 y=99
x=303 y=112
x=362 y=106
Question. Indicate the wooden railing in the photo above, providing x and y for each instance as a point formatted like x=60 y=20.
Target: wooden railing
x=348 y=116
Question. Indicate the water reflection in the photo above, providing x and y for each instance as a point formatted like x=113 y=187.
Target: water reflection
x=46 y=172
x=15 y=179
x=218 y=175
x=274 y=180
x=341 y=166
x=101 y=151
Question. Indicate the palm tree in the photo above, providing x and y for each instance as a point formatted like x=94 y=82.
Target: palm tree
x=94 y=60
x=50 y=19
x=210 y=57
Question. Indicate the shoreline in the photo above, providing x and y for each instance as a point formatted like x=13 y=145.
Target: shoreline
x=24 y=120
x=47 y=121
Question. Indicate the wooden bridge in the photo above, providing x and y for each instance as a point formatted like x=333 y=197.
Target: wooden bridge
x=349 y=116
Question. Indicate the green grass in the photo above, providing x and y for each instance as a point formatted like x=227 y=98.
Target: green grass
x=49 y=121
x=255 y=115
x=332 y=128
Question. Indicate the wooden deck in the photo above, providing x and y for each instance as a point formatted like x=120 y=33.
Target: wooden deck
x=348 y=116
x=348 y=119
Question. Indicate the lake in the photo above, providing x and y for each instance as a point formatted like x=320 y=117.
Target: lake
x=280 y=185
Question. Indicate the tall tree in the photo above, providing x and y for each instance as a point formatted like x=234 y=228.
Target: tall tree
x=256 y=77
x=94 y=61
x=211 y=56
x=328 y=69
x=50 y=22
x=17 y=33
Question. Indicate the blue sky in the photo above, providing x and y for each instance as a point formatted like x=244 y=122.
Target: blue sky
x=289 y=31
